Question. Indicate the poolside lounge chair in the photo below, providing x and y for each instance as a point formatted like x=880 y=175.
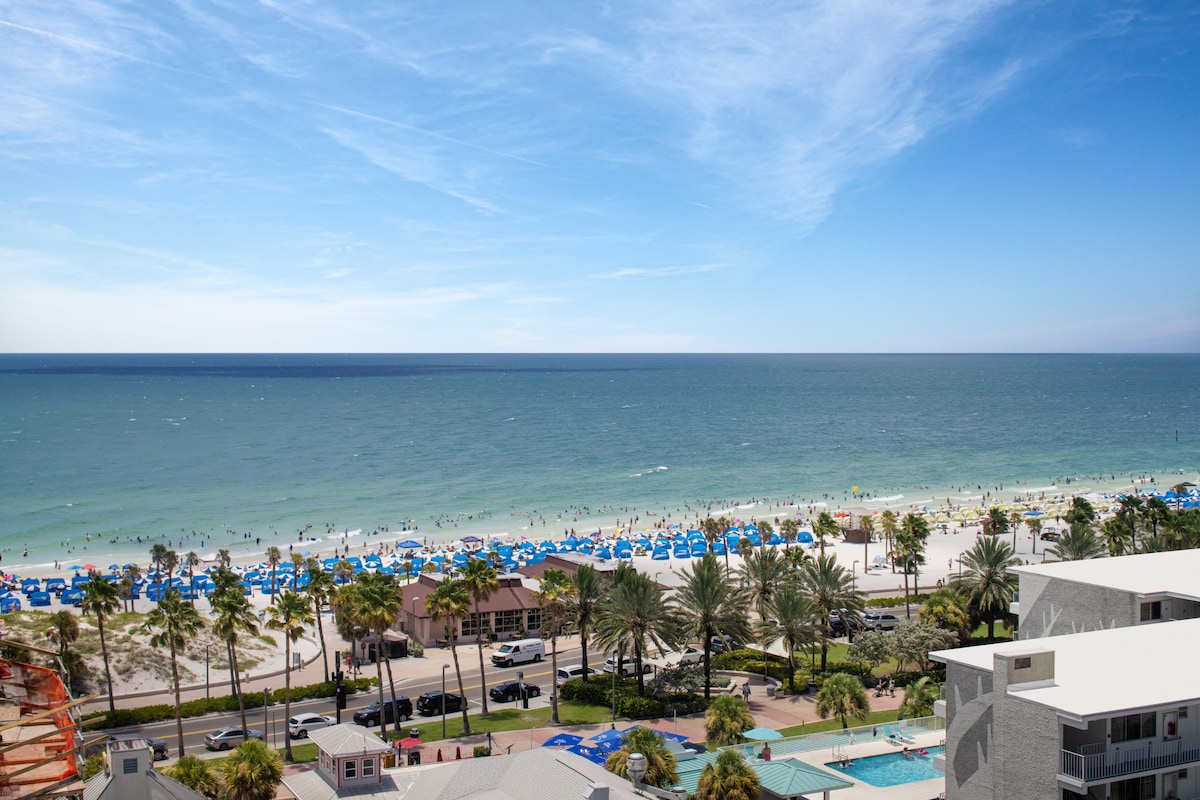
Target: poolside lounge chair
x=894 y=734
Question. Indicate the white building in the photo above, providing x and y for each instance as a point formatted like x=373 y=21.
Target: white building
x=1104 y=704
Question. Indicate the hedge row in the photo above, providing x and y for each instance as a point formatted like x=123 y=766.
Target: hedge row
x=749 y=660
x=629 y=705
x=124 y=717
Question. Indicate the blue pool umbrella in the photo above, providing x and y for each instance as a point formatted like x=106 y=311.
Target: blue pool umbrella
x=562 y=740
x=409 y=544
x=762 y=734
x=610 y=735
x=1034 y=513
x=678 y=737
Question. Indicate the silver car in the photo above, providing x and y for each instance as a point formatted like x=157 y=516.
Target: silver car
x=300 y=725
x=229 y=736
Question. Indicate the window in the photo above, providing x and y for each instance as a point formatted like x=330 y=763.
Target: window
x=350 y=769
x=368 y=768
x=1134 y=726
x=1137 y=789
x=1152 y=611
x=475 y=624
x=508 y=621
x=1024 y=662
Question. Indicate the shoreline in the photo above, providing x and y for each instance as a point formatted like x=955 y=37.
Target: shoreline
x=585 y=521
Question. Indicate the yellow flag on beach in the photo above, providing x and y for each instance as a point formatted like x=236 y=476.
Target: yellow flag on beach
x=854 y=488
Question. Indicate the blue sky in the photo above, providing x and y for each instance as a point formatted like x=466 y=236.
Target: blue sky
x=836 y=176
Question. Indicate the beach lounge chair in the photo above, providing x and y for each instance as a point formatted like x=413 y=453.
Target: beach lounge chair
x=894 y=734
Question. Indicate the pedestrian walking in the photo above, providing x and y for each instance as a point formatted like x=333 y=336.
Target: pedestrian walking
x=746 y=691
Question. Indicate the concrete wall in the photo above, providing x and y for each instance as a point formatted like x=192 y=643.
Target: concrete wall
x=1052 y=607
x=1026 y=738
x=969 y=733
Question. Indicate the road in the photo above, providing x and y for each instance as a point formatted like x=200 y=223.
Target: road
x=273 y=722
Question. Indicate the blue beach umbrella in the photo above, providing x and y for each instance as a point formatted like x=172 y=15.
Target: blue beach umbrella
x=562 y=740
x=410 y=544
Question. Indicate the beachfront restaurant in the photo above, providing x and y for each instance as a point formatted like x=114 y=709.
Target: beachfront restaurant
x=509 y=613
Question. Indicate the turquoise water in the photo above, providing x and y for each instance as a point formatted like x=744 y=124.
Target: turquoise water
x=891 y=769
x=100 y=456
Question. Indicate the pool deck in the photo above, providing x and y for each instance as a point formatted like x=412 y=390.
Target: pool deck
x=918 y=790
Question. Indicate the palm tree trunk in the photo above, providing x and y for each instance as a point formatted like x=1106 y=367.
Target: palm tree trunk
x=554 y=671
x=392 y=688
x=236 y=684
x=107 y=674
x=287 y=693
x=482 y=674
x=708 y=634
x=321 y=633
x=178 y=705
x=458 y=674
x=637 y=665
x=379 y=680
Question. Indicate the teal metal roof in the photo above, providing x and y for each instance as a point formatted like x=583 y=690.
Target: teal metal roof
x=785 y=778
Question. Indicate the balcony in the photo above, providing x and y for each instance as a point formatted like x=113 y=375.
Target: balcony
x=1118 y=761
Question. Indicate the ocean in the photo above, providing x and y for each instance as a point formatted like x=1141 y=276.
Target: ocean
x=102 y=455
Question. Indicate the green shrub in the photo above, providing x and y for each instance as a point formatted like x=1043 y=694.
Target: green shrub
x=593 y=692
x=683 y=704
x=634 y=707
x=749 y=660
x=892 y=602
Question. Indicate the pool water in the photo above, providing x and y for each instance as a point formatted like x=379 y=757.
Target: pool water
x=891 y=769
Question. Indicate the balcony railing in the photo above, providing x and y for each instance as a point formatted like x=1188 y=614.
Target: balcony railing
x=1137 y=757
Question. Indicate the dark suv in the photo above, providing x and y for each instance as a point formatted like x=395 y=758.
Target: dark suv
x=509 y=691
x=158 y=746
x=370 y=715
x=430 y=703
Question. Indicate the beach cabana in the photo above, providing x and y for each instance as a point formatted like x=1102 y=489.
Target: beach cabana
x=660 y=554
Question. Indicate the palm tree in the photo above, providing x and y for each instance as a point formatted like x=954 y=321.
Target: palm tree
x=824 y=526
x=232 y=616
x=274 y=558
x=729 y=777
x=660 y=763
x=1117 y=535
x=319 y=590
x=291 y=616
x=947 y=609
x=171 y=624
x=761 y=572
x=191 y=561
x=157 y=554
x=789 y=530
x=843 y=696
x=765 y=532
x=101 y=599
x=1079 y=543
x=1154 y=513
x=996 y=522
x=224 y=559
x=715 y=529
x=636 y=617
x=196 y=774
x=914 y=532
x=253 y=772
x=889 y=525
x=725 y=720
x=554 y=591
x=866 y=523
x=795 y=621
x=831 y=590
x=170 y=563
x=708 y=606
x=1035 y=529
x=919 y=698
x=481 y=580
x=131 y=574
x=1014 y=521
x=986 y=581
x=451 y=601
x=63 y=631
x=298 y=562
x=585 y=602
x=378 y=606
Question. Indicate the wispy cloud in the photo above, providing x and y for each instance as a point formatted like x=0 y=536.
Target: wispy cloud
x=658 y=272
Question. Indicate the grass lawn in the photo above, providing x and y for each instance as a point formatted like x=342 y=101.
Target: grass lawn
x=874 y=718
x=508 y=719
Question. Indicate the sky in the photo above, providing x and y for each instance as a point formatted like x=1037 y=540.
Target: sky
x=385 y=176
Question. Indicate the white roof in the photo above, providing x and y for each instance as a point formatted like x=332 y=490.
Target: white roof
x=541 y=774
x=1142 y=574
x=1101 y=673
x=347 y=740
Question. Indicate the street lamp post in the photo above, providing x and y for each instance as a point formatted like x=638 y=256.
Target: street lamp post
x=444 y=668
x=854 y=575
x=266 y=706
x=206 y=649
x=413 y=613
x=616 y=666
x=354 y=646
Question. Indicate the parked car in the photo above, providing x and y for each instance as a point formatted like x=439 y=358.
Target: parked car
x=300 y=725
x=722 y=643
x=229 y=736
x=571 y=672
x=509 y=691
x=521 y=651
x=628 y=667
x=691 y=655
x=879 y=621
x=1050 y=535
x=431 y=703
x=157 y=746
x=369 y=716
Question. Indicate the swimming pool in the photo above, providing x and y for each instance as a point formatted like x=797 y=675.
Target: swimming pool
x=891 y=769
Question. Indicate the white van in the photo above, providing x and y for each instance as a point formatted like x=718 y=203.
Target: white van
x=519 y=652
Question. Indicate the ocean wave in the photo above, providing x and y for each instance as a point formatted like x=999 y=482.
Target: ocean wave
x=889 y=499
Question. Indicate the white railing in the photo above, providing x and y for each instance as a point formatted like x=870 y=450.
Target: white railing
x=1118 y=761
